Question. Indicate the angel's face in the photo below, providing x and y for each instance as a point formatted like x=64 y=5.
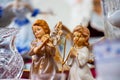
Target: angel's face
x=78 y=38
x=38 y=31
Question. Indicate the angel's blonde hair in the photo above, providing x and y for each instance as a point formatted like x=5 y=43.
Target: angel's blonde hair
x=43 y=24
x=85 y=32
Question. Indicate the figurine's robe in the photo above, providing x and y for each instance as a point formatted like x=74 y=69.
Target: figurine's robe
x=79 y=69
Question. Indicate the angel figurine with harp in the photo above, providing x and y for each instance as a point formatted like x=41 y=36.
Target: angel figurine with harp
x=79 y=54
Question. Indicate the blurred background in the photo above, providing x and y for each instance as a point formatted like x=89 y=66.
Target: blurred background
x=70 y=12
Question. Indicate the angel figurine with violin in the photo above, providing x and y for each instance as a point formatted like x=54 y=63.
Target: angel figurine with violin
x=42 y=52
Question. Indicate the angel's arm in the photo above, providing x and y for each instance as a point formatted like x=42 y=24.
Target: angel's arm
x=83 y=56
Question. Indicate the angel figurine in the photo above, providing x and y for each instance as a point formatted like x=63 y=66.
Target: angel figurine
x=42 y=52
x=79 y=54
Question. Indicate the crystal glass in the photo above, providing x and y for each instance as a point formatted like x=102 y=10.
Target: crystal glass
x=11 y=62
x=111 y=12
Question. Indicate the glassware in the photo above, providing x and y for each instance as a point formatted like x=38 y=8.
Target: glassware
x=111 y=12
x=107 y=51
x=11 y=62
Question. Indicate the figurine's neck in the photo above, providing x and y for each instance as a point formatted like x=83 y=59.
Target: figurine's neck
x=78 y=46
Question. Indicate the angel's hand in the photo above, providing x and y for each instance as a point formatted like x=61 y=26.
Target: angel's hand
x=73 y=53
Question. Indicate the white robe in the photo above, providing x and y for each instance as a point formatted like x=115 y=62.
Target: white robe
x=80 y=69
